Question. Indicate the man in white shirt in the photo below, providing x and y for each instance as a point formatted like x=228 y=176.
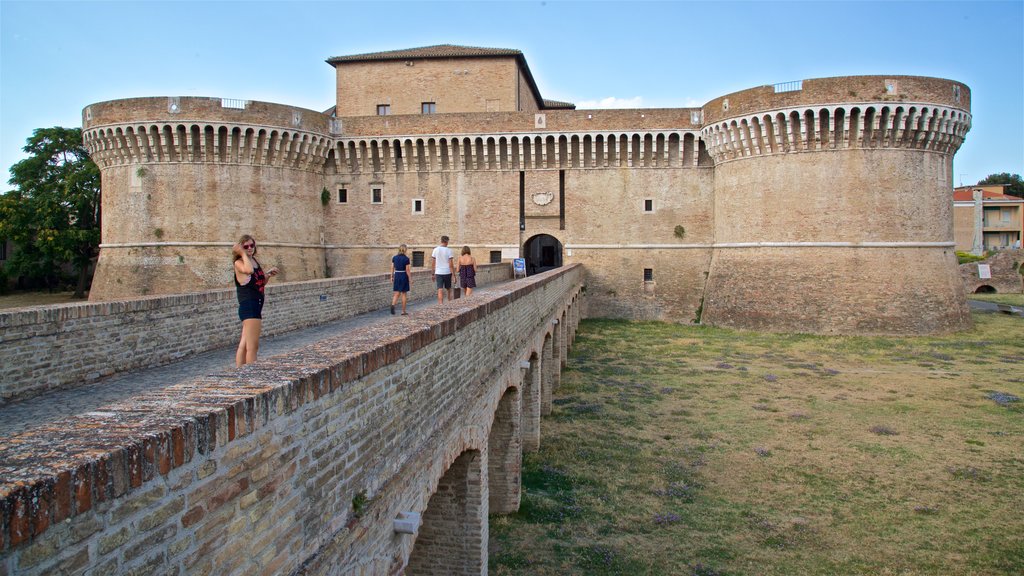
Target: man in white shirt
x=442 y=261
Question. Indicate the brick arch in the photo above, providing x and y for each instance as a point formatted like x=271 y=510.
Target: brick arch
x=530 y=396
x=547 y=377
x=505 y=453
x=452 y=538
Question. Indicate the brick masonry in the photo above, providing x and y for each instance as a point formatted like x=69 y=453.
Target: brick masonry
x=696 y=197
x=257 y=471
x=1005 y=268
x=52 y=347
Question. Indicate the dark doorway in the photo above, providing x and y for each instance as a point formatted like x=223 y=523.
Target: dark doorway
x=542 y=252
x=985 y=289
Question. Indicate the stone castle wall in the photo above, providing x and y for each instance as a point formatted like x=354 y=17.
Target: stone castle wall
x=827 y=165
x=463 y=84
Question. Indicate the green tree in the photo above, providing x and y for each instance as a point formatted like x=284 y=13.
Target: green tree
x=1016 y=185
x=53 y=216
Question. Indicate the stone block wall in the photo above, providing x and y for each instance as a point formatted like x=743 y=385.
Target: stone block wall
x=45 y=348
x=295 y=465
x=1005 y=269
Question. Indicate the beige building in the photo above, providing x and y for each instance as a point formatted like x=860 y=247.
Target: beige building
x=714 y=213
x=985 y=219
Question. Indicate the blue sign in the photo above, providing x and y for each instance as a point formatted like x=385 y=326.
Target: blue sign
x=519 y=266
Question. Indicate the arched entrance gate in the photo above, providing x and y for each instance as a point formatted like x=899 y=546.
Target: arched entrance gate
x=542 y=252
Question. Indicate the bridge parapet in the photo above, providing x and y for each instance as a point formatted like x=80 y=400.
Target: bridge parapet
x=299 y=463
x=46 y=348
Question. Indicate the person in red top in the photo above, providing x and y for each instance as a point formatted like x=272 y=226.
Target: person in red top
x=249 y=282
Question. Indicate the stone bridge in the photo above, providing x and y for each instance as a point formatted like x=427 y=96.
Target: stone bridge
x=380 y=449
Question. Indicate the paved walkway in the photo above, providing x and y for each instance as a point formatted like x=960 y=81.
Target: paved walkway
x=993 y=307
x=40 y=411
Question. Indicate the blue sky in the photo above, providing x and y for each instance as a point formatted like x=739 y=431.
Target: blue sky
x=58 y=57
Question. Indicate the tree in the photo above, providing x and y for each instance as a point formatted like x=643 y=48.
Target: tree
x=53 y=217
x=1016 y=185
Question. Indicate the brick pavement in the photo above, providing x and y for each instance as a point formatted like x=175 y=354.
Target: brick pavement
x=40 y=411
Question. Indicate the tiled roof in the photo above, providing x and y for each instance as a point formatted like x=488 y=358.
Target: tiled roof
x=453 y=51
x=438 y=51
x=968 y=196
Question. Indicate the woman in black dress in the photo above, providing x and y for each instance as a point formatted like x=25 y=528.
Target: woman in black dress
x=401 y=278
x=249 y=282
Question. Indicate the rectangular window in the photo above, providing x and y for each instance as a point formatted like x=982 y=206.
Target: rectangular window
x=417 y=206
x=648 y=205
x=377 y=196
x=417 y=259
x=383 y=109
x=342 y=195
x=648 y=274
x=495 y=256
x=428 y=107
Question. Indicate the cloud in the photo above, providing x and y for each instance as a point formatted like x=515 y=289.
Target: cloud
x=612 y=102
x=635 y=102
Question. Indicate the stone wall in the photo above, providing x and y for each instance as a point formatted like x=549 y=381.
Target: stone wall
x=45 y=348
x=296 y=464
x=823 y=165
x=1005 y=268
x=454 y=84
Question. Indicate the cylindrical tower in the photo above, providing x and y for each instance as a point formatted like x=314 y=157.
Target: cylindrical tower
x=183 y=178
x=832 y=206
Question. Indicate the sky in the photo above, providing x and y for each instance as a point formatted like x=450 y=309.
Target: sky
x=58 y=57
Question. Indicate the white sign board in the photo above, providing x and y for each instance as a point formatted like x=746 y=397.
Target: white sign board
x=509 y=253
x=984 y=272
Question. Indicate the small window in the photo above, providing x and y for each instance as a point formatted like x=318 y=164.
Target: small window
x=342 y=195
x=383 y=109
x=429 y=107
x=417 y=258
x=648 y=205
x=648 y=274
x=417 y=206
x=495 y=256
x=377 y=196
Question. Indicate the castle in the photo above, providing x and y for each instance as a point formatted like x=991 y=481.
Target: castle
x=815 y=206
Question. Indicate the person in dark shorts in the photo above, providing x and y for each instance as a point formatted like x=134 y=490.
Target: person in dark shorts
x=249 y=282
x=467 y=270
x=442 y=262
x=401 y=278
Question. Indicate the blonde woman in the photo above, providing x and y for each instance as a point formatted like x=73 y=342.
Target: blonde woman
x=401 y=278
x=249 y=282
x=467 y=270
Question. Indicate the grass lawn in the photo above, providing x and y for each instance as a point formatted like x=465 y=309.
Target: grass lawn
x=19 y=299
x=684 y=450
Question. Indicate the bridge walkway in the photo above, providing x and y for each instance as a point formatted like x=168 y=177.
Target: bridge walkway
x=41 y=411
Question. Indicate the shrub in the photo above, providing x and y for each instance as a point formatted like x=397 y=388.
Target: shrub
x=965 y=257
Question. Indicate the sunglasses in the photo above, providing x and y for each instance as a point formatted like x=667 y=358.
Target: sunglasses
x=249 y=245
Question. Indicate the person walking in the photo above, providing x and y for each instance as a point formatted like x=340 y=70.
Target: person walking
x=467 y=270
x=442 y=262
x=249 y=282
x=401 y=278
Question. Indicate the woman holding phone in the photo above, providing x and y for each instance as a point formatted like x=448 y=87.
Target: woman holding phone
x=249 y=282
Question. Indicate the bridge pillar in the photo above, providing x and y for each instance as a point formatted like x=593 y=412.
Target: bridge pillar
x=453 y=537
x=548 y=371
x=563 y=342
x=556 y=354
x=531 y=405
x=505 y=455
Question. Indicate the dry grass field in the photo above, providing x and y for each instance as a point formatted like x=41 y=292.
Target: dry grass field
x=20 y=299
x=682 y=450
